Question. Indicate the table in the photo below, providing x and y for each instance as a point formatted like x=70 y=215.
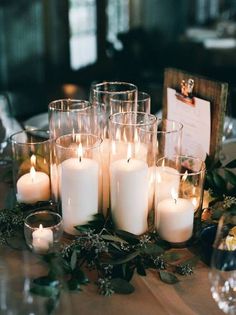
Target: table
x=191 y=296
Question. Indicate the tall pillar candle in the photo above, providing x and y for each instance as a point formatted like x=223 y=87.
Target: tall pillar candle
x=129 y=195
x=79 y=191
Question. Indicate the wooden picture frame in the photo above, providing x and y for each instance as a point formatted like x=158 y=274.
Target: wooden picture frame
x=213 y=91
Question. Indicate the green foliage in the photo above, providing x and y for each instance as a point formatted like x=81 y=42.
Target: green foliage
x=220 y=179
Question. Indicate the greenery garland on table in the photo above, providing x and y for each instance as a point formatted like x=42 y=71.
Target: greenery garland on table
x=117 y=255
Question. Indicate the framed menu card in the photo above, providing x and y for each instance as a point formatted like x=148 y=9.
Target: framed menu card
x=199 y=104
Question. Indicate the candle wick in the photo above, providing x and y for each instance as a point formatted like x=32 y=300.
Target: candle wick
x=80 y=159
x=128 y=160
x=175 y=201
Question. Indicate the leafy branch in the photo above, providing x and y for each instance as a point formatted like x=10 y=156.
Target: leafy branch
x=220 y=179
x=114 y=256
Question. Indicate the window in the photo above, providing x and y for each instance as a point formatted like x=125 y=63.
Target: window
x=118 y=20
x=83 y=29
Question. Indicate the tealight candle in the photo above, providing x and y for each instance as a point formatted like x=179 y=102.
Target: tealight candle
x=129 y=195
x=79 y=191
x=174 y=219
x=33 y=186
x=42 y=238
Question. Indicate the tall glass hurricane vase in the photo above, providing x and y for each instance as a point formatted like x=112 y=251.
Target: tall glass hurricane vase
x=132 y=159
x=101 y=93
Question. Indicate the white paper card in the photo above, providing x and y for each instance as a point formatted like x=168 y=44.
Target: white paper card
x=196 y=120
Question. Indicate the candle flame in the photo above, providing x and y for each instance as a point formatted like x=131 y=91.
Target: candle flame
x=33 y=160
x=129 y=152
x=185 y=176
x=80 y=151
x=32 y=173
x=40 y=226
x=174 y=194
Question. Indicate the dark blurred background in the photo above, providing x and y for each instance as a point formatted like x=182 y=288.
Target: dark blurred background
x=51 y=49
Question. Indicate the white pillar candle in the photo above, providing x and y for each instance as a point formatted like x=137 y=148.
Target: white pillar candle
x=42 y=238
x=33 y=186
x=174 y=219
x=167 y=178
x=129 y=195
x=79 y=191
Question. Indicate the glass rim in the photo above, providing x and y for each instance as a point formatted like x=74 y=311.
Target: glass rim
x=192 y=173
x=145 y=98
x=154 y=119
x=55 y=214
x=172 y=121
x=13 y=141
x=96 y=145
x=52 y=104
x=112 y=83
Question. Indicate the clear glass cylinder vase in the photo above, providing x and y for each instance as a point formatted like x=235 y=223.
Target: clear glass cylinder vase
x=132 y=160
x=178 y=196
x=31 y=165
x=79 y=178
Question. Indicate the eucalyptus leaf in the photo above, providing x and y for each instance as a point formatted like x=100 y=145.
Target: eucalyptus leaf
x=209 y=182
x=129 y=237
x=140 y=268
x=113 y=238
x=191 y=261
x=168 y=277
x=121 y=286
x=46 y=281
x=73 y=260
x=45 y=291
x=123 y=259
x=219 y=181
x=231 y=177
x=231 y=164
x=115 y=246
x=152 y=249
x=172 y=256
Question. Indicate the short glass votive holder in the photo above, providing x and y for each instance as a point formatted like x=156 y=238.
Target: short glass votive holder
x=132 y=164
x=79 y=179
x=31 y=165
x=178 y=196
x=42 y=230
